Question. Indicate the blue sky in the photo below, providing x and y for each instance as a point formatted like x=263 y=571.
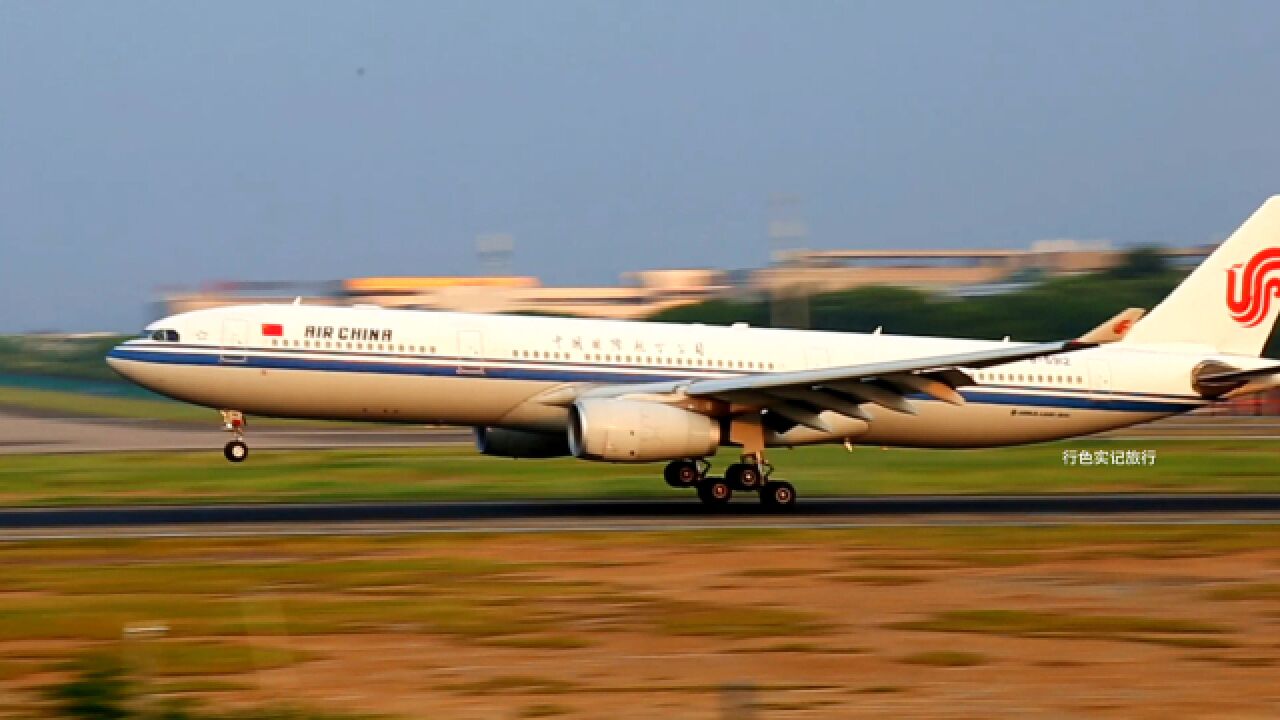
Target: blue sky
x=156 y=144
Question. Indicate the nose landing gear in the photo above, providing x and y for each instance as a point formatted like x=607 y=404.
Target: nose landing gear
x=233 y=422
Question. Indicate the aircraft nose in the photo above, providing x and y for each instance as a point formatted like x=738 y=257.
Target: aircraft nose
x=116 y=361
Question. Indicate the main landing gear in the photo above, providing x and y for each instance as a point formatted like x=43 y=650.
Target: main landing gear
x=233 y=422
x=749 y=475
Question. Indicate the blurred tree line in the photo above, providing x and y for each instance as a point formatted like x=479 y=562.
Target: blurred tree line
x=1051 y=310
x=80 y=357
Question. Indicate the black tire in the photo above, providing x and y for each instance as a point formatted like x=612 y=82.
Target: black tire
x=780 y=495
x=236 y=451
x=733 y=475
x=750 y=477
x=681 y=474
x=715 y=492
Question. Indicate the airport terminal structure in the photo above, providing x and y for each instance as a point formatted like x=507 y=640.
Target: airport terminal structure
x=643 y=293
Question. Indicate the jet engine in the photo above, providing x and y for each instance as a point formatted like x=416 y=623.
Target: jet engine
x=637 y=431
x=519 y=443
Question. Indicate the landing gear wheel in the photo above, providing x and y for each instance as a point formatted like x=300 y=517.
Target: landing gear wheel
x=681 y=473
x=778 y=494
x=744 y=476
x=714 y=491
x=236 y=451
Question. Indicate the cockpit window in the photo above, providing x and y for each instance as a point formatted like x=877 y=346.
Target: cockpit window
x=164 y=335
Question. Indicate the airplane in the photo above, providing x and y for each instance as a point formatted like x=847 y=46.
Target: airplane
x=638 y=392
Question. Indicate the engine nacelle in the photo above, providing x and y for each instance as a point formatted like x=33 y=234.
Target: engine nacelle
x=637 y=431
x=520 y=444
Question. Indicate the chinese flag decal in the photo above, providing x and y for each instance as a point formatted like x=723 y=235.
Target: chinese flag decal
x=272 y=330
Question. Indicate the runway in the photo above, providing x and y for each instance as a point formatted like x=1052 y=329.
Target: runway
x=632 y=515
x=40 y=433
x=33 y=433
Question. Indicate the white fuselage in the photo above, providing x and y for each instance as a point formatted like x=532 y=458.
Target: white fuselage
x=485 y=370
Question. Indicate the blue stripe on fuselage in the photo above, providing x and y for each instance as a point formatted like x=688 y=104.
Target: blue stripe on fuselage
x=508 y=370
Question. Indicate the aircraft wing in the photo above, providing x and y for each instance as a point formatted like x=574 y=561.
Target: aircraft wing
x=800 y=396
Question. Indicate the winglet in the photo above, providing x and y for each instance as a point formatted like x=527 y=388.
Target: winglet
x=1114 y=329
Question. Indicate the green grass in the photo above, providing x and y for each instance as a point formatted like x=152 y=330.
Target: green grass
x=235 y=606
x=316 y=576
x=72 y=403
x=459 y=473
x=160 y=409
x=1020 y=623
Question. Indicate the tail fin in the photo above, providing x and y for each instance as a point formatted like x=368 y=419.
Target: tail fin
x=1230 y=301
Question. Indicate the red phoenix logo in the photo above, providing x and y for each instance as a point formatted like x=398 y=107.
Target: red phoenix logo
x=1249 y=293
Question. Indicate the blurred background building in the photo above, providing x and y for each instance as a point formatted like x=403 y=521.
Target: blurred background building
x=642 y=293
x=958 y=272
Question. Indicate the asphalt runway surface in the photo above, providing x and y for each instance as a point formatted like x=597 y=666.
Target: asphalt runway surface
x=36 y=433
x=634 y=515
x=32 y=433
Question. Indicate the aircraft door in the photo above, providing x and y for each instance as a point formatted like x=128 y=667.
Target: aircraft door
x=470 y=343
x=1099 y=380
x=817 y=358
x=234 y=335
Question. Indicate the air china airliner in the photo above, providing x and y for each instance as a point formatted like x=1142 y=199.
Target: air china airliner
x=613 y=391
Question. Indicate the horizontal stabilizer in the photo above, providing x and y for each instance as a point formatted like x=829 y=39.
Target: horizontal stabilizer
x=1236 y=376
x=1114 y=329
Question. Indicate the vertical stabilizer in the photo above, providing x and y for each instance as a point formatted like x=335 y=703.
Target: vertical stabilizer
x=1231 y=300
